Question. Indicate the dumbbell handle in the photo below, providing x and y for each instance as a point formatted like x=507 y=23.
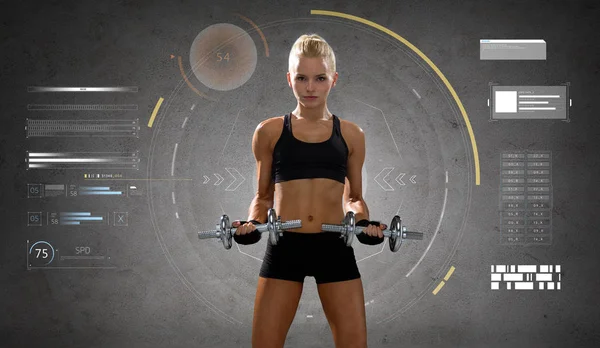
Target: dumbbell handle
x=260 y=228
x=360 y=229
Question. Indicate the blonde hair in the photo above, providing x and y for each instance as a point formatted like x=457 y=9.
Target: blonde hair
x=311 y=46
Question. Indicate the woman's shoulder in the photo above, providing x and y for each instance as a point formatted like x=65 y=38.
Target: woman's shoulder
x=349 y=127
x=272 y=124
x=276 y=119
x=270 y=127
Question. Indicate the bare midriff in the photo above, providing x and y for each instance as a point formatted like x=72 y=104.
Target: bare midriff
x=314 y=201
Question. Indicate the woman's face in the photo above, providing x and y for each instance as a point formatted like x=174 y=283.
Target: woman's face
x=311 y=77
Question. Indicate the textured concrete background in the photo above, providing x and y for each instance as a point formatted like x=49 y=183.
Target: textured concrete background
x=169 y=289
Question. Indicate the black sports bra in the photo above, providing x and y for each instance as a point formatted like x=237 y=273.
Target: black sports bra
x=296 y=159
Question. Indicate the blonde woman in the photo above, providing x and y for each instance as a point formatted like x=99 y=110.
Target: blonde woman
x=309 y=163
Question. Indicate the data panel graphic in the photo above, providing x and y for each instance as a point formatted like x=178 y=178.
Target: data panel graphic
x=529 y=102
x=512 y=49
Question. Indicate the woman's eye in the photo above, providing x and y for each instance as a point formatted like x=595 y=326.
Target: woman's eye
x=320 y=78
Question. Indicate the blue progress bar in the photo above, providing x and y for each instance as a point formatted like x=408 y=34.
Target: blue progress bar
x=100 y=193
x=76 y=214
x=93 y=218
x=88 y=188
x=69 y=223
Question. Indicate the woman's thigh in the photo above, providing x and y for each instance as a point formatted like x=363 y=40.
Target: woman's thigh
x=344 y=306
x=274 y=310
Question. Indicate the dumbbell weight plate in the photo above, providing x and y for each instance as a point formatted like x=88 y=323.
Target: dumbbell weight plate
x=271 y=225
x=396 y=233
x=350 y=223
x=226 y=235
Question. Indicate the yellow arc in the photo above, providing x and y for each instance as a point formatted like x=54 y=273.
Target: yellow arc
x=428 y=61
x=155 y=111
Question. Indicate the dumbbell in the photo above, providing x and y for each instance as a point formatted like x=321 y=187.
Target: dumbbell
x=274 y=226
x=395 y=231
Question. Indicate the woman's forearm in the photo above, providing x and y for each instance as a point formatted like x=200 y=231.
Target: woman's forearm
x=259 y=209
x=359 y=207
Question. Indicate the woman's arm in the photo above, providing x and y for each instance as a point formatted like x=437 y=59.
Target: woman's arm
x=261 y=147
x=353 y=199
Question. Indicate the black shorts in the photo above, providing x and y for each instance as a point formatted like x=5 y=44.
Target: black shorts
x=322 y=255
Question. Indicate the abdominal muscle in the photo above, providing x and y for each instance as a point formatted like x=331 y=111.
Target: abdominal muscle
x=314 y=201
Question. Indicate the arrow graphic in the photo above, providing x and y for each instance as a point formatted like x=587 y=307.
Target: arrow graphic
x=229 y=188
x=399 y=179
x=219 y=181
x=379 y=181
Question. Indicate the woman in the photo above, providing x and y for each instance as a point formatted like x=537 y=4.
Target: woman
x=313 y=174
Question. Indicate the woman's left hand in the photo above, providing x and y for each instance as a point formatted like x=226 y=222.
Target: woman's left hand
x=374 y=230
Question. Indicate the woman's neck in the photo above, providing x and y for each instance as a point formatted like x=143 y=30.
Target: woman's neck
x=313 y=115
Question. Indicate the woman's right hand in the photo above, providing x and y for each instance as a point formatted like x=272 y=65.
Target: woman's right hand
x=243 y=229
x=247 y=233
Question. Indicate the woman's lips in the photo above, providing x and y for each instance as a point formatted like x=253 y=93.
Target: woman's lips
x=310 y=97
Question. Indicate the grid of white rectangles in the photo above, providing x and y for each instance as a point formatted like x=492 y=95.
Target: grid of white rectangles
x=526 y=277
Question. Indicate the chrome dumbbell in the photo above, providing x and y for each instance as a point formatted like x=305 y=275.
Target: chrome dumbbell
x=274 y=226
x=395 y=231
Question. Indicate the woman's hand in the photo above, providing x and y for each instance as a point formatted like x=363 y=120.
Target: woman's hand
x=372 y=233
x=374 y=230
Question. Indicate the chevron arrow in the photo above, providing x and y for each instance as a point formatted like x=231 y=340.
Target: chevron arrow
x=220 y=179
x=380 y=179
x=230 y=187
x=399 y=179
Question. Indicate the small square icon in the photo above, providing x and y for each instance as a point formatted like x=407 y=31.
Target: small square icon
x=120 y=219
x=34 y=190
x=506 y=101
x=34 y=218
